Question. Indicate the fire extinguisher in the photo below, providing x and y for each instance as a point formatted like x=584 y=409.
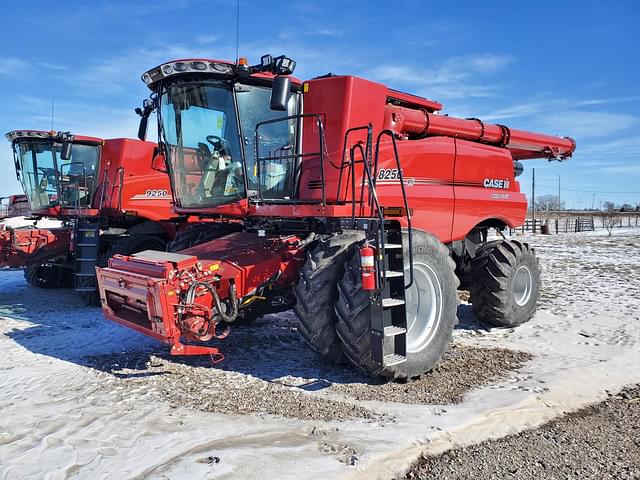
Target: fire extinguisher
x=367 y=266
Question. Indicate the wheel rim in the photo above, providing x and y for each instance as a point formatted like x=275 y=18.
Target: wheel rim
x=424 y=310
x=522 y=281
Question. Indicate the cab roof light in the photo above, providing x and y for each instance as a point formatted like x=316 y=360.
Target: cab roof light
x=60 y=136
x=185 y=66
x=281 y=65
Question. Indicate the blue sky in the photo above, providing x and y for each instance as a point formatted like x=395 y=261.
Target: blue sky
x=567 y=68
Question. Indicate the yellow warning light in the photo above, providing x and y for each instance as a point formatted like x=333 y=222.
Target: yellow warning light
x=305 y=87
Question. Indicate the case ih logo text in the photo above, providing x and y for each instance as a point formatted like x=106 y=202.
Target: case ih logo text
x=495 y=183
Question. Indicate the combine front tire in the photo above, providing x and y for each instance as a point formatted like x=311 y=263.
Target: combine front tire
x=431 y=304
x=46 y=275
x=317 y=291
x=506 y=282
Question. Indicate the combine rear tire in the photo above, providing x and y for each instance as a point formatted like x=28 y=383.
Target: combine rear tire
x=317 y=291
x=431 y=304
x=506 y=283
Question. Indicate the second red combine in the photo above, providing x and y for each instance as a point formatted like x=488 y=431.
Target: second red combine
x=105 y=195
x=357 y=204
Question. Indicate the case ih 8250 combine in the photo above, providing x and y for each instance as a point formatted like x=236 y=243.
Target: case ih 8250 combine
x=105 y=192
x=359 y=205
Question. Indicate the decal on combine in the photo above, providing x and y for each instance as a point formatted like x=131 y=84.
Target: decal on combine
x=496 y=183
x=152 y=193
x=388 y=174
x=500 y=196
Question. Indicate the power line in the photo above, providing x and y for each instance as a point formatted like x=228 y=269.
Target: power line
x=588 y=190
x=598 y=191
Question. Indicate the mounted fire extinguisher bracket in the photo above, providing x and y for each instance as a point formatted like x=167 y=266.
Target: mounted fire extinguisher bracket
x=367 y=267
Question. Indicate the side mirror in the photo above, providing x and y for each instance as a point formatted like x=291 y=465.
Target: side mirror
x=65 y=150
x=518 y=168
x=158 y=164
x=280 y=93
x=148 y=106
x=142 y=128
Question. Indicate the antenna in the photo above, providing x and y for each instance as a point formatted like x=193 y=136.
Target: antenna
x=52 y=114
x=237 y=30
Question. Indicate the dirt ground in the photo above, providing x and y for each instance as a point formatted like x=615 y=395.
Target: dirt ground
x=82 y=397
x=599 y=442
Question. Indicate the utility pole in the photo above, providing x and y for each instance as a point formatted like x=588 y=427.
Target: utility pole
x=559 y=204
x=593 y=201
x=533 y=200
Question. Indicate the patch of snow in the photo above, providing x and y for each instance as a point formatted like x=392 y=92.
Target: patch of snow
x=25 y=222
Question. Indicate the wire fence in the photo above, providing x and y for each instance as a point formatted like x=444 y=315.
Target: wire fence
x=573 y=224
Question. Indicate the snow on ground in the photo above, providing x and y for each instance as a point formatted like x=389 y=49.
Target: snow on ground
x=63 y=417
x=22 y=222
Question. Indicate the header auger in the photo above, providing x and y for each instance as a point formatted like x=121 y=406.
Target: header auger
x=359 y=206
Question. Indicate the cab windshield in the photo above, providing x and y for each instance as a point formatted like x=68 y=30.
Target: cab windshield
x=211 y=152
x=48 y=181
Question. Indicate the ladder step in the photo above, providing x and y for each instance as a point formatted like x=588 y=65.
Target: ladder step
x=393 y=359
x=87 y=244
x=393 y=274
x=392 y=331
x=392 y=246
x=391 y=302
x=86 y=259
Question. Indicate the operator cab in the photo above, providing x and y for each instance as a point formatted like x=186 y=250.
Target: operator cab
x=225 y=136
x=56 y=168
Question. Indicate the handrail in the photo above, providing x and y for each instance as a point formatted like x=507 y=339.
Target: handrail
x=404 y=195
x=369 y=129
x=320 y=153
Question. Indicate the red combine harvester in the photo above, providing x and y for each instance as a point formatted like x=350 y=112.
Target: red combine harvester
x=10 y=207
x=106 y=194
x=13 y=206
x=360 y=205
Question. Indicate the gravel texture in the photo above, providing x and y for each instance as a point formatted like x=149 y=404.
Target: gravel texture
x=209 y=389
x=600 y=442
x=195 y=383
x=461 y=369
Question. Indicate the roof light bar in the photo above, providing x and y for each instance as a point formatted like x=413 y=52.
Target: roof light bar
x=53 y=135
x=185 y=66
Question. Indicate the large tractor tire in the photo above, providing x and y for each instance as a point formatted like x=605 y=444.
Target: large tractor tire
x=125 y=245
x=47 y=275
x=506 y=283
x=316 y=292
x=431 y=306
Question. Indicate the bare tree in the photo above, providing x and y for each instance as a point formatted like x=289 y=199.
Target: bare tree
x=610 y=218
x=548 y=203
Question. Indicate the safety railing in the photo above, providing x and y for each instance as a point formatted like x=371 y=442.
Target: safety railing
x=287 y=153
